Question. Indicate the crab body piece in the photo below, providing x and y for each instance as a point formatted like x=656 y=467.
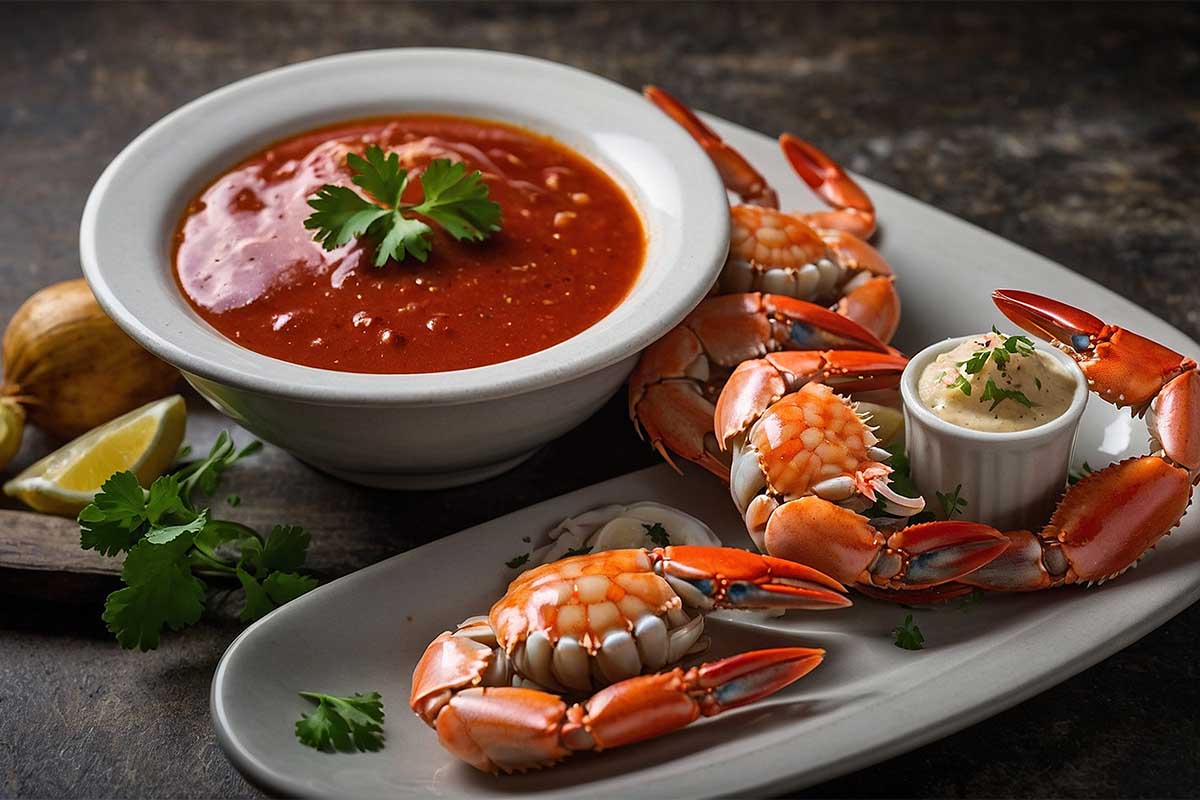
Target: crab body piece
x=492 y=688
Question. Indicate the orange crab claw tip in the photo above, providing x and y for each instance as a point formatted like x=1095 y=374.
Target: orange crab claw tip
x=943 y=551
x=747 y=677
x=809 y=598
x=781 y=568
x=1047 y=318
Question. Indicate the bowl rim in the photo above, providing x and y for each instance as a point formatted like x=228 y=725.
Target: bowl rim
x=703 y=247
x=911 y=399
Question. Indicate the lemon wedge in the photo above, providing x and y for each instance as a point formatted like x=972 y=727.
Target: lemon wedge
x=143 y=441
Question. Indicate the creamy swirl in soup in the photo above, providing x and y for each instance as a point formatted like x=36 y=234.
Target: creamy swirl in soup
x=996 y=383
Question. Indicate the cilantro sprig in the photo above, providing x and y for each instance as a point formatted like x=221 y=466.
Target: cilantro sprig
x=342 y=723
x=952 y=504
x=454 y=199
x=172 y=547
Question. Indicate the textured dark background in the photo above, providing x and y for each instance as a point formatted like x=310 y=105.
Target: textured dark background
x=1072 y=130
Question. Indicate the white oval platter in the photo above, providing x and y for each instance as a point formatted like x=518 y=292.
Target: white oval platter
x=867 y=702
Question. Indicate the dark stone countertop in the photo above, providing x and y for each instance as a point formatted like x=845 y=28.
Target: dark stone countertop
x=1072 y=130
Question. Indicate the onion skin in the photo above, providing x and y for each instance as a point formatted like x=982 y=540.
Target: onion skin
x=71 y=368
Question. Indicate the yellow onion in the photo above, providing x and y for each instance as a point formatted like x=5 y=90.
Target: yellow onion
x=69 y=368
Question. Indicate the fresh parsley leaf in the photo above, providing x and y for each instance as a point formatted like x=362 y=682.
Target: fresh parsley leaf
x=258 y=604
x=342 y=723
x=1038 y=382
x=657 y=533
x=908 y=636
x=583 y=550
x=283 y=587
x=458 y=201
x=380 y=175
x=234 y=500
x=161 y=534
x=951 y=503
x=997 y=395
x=341 y=214
x=1074 y=476
x=962 y=384
x=455 y=200
x=971 y=600
x=976 y=362
x=285 y=549
x=115 y=519
x=161 y=592
x=404 y=236
x=517 y=561
x=164 y=499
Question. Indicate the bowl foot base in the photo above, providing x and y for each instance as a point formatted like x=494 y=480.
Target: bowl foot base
x=428 y=480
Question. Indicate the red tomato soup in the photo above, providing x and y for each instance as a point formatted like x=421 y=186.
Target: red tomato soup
x=570 y=248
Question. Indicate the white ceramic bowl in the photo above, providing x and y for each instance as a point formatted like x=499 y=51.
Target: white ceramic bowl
x=1010 y=480
x=412 y=431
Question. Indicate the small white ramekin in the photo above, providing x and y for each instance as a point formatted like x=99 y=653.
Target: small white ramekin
x=1010 y=480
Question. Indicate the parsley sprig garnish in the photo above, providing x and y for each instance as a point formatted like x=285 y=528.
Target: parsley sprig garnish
x=342 y=723
x=172 y=546
x=908 y=636
x=997 y=395
x=657 y=533
x=1000 y=354
x=454 y=199
x=951 y=503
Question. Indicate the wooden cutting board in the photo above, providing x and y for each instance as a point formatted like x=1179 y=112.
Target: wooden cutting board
x=40 y=557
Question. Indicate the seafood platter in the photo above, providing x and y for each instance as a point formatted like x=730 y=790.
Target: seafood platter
x=907 y=467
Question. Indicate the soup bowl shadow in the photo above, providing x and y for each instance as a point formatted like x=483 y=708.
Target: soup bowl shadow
x=416 y=431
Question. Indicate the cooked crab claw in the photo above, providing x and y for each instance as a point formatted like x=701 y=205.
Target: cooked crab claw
x=711 y=577
x=514 y=729
x=1122 y=367
x=844 y=545
x=854 y=212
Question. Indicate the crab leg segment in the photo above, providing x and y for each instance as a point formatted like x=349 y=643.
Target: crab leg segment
x=711 y=577
x=843 y=544
x=1103 y=525
x=512 y=729
x=739 y=177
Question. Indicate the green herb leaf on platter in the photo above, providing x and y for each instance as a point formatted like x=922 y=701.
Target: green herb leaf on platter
x=582 y=550
x=342 y=723
x=952 y=504
x=517 y=561
x=907 y=636
x=657 y=534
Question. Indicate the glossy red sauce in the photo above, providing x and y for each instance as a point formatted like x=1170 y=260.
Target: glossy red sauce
x=570 y=249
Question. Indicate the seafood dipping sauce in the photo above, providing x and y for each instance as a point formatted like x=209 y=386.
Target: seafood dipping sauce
x=969 y=386
x=569 y=250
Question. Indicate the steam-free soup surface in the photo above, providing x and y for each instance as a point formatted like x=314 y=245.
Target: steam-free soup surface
x=570 y=248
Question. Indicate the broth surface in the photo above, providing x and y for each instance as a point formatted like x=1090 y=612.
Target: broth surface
x=570 y=249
